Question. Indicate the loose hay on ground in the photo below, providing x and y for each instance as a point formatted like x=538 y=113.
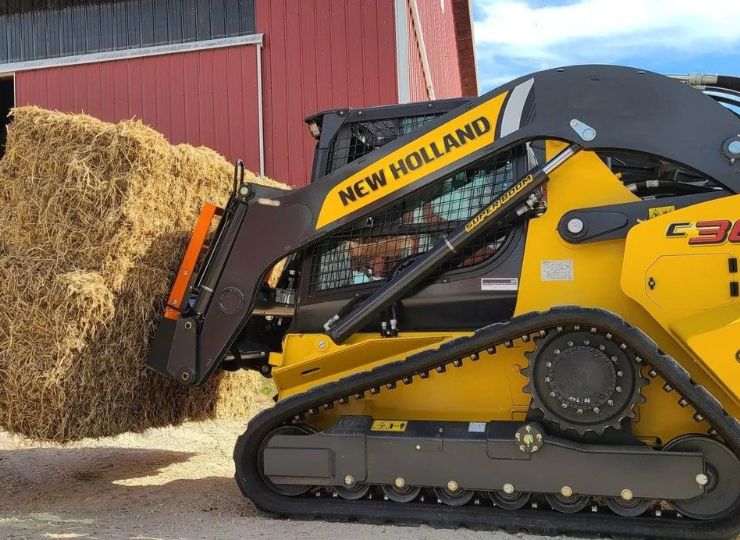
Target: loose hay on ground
x=94 y=220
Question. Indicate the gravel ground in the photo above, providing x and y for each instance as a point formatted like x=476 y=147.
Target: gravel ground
x=168 y=483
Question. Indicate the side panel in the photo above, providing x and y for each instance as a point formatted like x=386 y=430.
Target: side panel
x=202 y=98
x=683 y=268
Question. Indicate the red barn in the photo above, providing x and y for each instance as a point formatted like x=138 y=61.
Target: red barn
x=236 y=75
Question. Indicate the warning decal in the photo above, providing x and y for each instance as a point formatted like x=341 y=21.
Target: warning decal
x=556 y=270
x=389 y=425
x=659 y=211
x=499 y=284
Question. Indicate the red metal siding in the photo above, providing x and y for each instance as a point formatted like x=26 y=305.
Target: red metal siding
x=320 y=54
x=438 y=27
x=203 y=98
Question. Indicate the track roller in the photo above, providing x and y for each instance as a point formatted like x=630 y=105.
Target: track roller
x=567 y=505
x=401 y=494
x=509 y=501
x=631 y=508
x=352 y=493
x=458 y=497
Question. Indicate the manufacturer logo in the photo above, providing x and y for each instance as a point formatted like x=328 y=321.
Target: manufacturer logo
x=462 y=136
x=419 y=157
x=704 y=233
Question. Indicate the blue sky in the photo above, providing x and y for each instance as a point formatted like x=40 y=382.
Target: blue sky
x=516 y=37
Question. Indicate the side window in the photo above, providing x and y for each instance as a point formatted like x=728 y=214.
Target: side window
x=374 y=248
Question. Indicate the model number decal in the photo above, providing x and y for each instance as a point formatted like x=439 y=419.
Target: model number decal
x=710 y=232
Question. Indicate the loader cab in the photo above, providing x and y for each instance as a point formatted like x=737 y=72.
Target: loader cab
x=359 y=258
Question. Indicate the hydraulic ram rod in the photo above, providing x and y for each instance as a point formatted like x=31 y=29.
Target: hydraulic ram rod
x=340 y=329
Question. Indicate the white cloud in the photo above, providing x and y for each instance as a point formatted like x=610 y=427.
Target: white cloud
x=604 y=29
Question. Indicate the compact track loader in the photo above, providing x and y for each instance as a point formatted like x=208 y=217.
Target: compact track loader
x=519 y=311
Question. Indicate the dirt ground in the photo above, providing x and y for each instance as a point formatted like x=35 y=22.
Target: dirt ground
x=172 y=483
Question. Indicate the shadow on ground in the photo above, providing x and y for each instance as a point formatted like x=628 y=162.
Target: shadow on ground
x=110 y=493
x=50 y=469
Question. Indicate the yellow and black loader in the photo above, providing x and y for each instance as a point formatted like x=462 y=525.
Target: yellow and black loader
x=518 y=311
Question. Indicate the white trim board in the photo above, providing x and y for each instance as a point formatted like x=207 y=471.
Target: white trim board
x=251 y=39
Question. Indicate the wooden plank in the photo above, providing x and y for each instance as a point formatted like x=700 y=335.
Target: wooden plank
x=134 y=17
x=14 y=45
x=161 y=24
x=203 y=19
x=218 y=18
x=120 y=24
x=174 y=21
x=231 y=16
x=107 y=28
x=189 y=20
x=91 y=28
x=38 y=25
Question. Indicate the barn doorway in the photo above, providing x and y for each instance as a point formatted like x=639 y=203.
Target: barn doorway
x=7 y=102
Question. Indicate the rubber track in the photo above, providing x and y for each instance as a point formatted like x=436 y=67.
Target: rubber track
x=544 y=522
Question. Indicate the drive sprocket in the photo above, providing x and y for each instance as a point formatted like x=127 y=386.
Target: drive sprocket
x=583 y=381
